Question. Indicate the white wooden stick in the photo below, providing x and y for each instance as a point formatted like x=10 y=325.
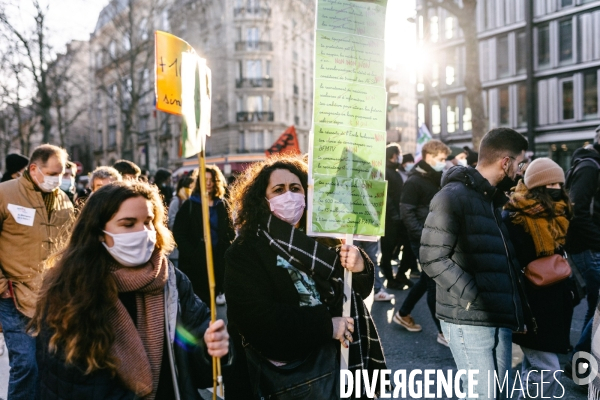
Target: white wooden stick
x=345 y=353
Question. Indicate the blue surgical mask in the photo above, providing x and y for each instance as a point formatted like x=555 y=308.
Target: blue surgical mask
x=67 y=184
x=409 y=166
x=439 y=166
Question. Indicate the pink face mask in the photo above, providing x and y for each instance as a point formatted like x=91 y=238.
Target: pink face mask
x=288 y=207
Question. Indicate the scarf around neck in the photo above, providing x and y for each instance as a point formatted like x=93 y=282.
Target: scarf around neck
x=547 y=233
x=139 y=346
x=324 y=266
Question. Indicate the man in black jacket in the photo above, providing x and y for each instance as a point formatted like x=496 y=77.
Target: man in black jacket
x=583 y=241
x=393 y=221
x=422 y=184
x=466 y=250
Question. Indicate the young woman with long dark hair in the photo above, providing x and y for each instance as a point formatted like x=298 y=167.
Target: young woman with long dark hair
x=114 y=319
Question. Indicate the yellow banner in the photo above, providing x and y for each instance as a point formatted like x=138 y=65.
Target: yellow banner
x=167 y=58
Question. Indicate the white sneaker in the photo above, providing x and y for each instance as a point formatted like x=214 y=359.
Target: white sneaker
x=220 y=300
x=2 y=346
x=382 y=295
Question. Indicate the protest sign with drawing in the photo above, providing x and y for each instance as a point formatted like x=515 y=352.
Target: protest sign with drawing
x=347 y=143
x=347 y=187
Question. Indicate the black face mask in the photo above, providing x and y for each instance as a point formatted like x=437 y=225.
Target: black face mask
x=506 y=184
x=556 y=194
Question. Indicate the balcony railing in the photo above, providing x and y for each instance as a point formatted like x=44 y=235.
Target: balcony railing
x=253 y=45
x=254 y=83
x=252 y=11
x=255 y=116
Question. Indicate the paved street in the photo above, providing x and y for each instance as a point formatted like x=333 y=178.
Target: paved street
x=409 y=350
x=403 y=349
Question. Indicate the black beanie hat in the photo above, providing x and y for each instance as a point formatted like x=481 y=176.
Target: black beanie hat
x=407 y=158
x=15 y=162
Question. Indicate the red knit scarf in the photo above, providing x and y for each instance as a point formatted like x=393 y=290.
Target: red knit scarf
x=140 y=349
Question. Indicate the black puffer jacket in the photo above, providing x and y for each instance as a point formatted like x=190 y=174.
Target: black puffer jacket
x=465 y=248
x=192 y=365
x=422 y=184
x=583 y=187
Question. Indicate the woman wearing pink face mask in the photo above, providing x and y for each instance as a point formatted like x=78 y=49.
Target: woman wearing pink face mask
x=285 y=292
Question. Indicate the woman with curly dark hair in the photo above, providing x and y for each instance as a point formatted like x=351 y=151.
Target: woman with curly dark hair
x=189 y=235
x=285 y=292
x=116 y=320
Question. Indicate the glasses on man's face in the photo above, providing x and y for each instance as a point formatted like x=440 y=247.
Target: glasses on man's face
x=521 y=165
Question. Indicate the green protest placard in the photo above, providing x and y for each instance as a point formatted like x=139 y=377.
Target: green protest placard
x=355 y=17
x=350 y=58
x=349 y=205
x=347 y=153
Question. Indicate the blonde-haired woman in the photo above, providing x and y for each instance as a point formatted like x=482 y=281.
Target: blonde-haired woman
x=189 y=235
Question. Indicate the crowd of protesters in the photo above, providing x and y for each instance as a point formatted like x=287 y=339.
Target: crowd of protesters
x=105 y=291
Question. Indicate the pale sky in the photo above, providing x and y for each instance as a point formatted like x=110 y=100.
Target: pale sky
x=76 y=19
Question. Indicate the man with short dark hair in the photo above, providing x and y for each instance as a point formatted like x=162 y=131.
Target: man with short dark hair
x=67 y=184
x=128 y=170
x=466 y=250
x=34 y=214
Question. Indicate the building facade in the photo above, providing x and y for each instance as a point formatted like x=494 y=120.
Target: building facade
x=558 y=41
x=261 y=56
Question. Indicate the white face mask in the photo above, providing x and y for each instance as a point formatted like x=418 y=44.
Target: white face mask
x=50 y=182
x=288 y=207
x=132 y=249
x=409 y=166
x=463 y=162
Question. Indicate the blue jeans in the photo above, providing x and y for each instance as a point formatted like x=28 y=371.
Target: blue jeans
x=482 y=348
x=588 y=263
x=535 y=363
x=21 y=352
x=371 y=248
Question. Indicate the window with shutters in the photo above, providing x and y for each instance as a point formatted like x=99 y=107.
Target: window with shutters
x=567 y=109
x=452 y=113
x=503 y=101
x=543 y=46
x=590 y=94
x=565 y=41
x=436 y=118
x=503 y=68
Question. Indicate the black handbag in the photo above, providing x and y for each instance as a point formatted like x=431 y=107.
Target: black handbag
x=315 y=377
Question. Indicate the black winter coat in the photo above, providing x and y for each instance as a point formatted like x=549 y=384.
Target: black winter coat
x=188 y=231
x=465 y=248
x=394 y=193
x=583 y=186
x=422 y=184
x=263 y=305
x=552 y=306
x=58 y=381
